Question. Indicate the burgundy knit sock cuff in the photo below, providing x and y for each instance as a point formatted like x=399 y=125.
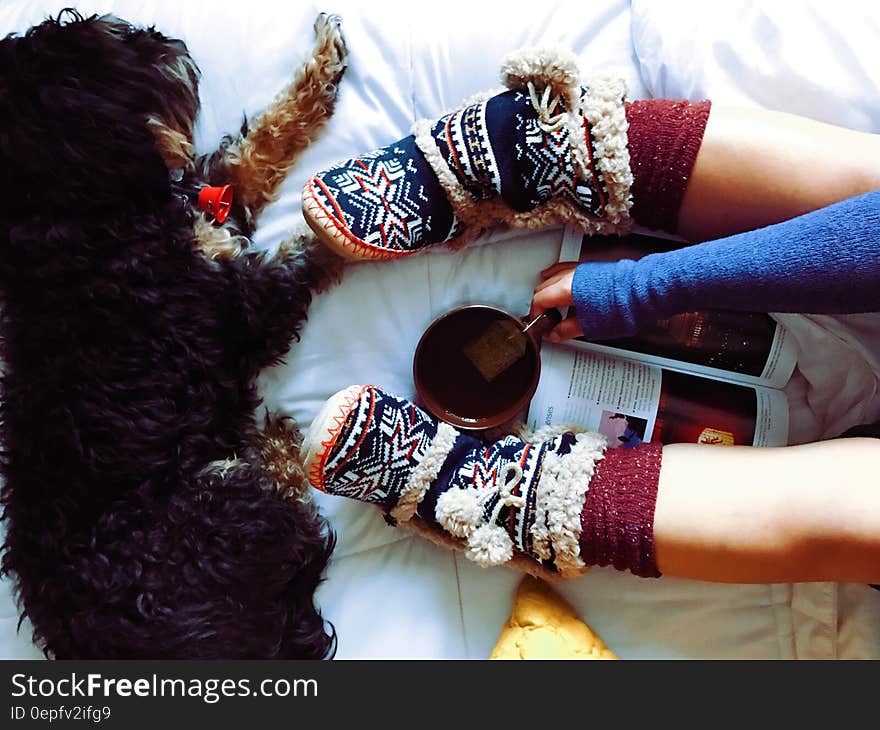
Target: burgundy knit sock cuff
x=617 y=522
x=664 y=138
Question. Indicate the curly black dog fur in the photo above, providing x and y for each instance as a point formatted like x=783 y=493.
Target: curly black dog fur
x=144 y=514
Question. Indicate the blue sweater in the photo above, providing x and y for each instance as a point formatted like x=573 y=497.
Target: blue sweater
x=824 y=262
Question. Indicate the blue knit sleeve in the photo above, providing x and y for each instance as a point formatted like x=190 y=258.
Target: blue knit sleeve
x=824 y=262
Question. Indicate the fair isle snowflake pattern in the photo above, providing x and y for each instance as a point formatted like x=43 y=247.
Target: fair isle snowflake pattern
x=389 y=198
x=381 y=441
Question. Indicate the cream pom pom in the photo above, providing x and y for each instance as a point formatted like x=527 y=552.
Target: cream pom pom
x=459 y=511
x=543 y=66
x=489 y=545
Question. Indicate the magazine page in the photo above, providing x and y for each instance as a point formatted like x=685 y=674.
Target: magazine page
x=631 y=402
x=742 y=347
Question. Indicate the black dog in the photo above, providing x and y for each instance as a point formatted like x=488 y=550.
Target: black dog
x=147 y=515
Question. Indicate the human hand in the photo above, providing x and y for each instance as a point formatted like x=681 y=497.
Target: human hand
x=555 y=291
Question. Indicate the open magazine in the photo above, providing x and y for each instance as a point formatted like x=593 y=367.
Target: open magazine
x=711 y=377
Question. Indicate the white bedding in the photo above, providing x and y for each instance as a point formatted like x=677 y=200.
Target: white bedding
x=393 y=595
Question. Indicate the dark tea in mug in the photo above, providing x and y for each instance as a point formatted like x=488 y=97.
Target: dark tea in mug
x=451 y=387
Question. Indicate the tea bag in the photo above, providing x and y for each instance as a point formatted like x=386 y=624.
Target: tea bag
x=500 y=345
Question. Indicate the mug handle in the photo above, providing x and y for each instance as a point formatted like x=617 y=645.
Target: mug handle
x=542 y=324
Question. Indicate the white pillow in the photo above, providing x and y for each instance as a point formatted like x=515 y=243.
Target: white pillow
x=816 y=59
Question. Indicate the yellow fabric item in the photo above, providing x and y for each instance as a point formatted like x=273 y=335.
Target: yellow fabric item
x=543 y=625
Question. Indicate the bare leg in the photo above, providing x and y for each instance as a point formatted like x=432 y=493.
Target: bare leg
x=746 y=515
x=756 y=167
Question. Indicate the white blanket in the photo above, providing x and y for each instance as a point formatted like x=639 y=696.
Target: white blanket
x=393 y=595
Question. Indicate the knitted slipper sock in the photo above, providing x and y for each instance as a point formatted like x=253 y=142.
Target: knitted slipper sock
x=549 y=503
x=547 y=151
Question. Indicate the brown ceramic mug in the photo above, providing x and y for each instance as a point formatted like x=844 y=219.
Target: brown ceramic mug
x=449 y=386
